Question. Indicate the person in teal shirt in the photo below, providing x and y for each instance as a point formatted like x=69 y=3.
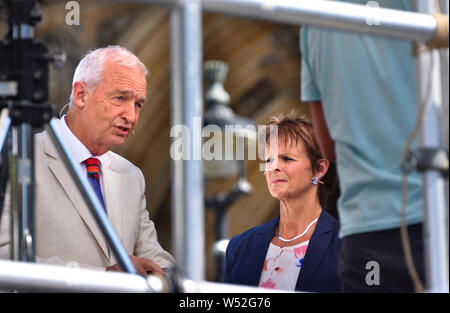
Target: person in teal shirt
x=362 y=100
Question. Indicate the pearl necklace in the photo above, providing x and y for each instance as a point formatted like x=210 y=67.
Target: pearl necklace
x=298 y=236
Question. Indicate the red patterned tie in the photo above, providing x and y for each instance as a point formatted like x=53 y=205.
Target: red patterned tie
x=93 y=172
x=93 y=168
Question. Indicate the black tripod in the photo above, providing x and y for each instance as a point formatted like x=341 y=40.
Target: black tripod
x=23 y=95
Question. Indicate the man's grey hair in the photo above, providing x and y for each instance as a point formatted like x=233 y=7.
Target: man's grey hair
x=90 y=69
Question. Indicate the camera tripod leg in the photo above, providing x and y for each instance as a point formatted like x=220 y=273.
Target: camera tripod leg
x=5 y=123
x=21 y=173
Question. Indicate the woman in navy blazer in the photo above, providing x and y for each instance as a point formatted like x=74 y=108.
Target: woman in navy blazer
x=298 y=250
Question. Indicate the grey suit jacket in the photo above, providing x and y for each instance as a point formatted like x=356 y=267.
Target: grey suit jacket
x=66 y=232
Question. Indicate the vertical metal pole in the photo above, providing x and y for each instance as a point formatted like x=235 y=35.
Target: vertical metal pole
x=443 y=55
x=435 y=235
x=177 y=216
x=192 y=115
x=23 y=246
x=26 y=183
x=186 y=27
x=14 y=220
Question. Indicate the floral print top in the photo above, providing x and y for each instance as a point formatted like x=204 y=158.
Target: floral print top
x=282 y=266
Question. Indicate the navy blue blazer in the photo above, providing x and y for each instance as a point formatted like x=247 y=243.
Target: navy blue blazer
x=246 y=254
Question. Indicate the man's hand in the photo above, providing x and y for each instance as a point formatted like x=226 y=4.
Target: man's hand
x=143 y=266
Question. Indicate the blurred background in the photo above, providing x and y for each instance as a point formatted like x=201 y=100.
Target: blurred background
x=263 y=79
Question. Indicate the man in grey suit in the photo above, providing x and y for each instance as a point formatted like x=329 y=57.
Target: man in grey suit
x=108 y=91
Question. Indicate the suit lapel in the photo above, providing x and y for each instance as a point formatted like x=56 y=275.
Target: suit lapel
x=318 y=245
x=258 y=252
x=112 y=192
x=58 y=169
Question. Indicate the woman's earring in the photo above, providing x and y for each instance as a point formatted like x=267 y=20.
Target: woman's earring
x=316 y=180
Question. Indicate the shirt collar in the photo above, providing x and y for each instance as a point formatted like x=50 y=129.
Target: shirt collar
x=77 y=149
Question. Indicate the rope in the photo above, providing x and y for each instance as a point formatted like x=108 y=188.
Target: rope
x=440 y=40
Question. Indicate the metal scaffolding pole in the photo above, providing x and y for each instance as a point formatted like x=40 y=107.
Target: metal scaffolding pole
x=34 y=277
x=428 y=90
x=176 y=112
x=187 y=103
x=320 y=13
x=331 y=14
x=443 y=58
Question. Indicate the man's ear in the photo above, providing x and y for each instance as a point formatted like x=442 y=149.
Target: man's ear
x=79 y=91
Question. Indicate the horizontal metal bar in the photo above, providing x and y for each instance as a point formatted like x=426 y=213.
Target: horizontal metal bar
x=333 y=14
x=166 y=3
x=328 y=14
x=32 y=277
